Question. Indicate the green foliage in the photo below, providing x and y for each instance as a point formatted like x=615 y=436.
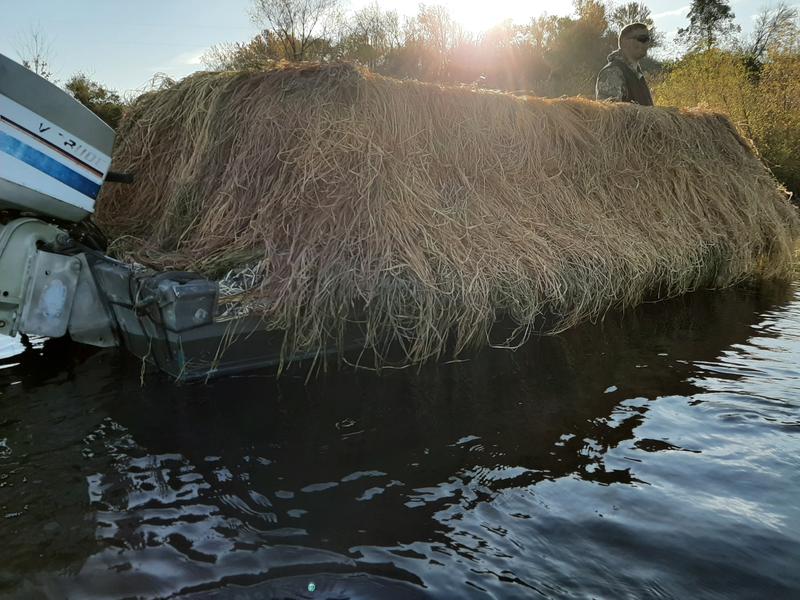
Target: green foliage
x=709 y=22
x=103 y=102
x=580 y=48
x=765 y=108
x=259 y=53
x=777 y=127
x=713 y=78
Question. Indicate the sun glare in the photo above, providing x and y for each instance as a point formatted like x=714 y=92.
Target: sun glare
x=479 y=16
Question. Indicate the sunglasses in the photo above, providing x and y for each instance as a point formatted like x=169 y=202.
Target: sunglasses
x=642 y=38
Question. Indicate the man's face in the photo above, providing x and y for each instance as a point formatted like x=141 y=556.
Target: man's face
x=636 y=43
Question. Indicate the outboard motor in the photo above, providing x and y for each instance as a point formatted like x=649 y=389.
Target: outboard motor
x=54 y=156
x=55 y=279
x=54 y=152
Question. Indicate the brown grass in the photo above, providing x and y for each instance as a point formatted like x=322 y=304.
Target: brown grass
x=426 y=213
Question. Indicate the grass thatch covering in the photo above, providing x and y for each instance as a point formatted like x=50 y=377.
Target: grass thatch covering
x=424 y=211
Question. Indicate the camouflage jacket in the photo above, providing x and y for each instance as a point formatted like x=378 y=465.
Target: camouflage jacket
x=611 y=81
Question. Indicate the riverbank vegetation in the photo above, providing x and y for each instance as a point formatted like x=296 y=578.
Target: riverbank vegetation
x=762 y=100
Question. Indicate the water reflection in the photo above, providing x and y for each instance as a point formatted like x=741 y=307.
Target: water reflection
x=653 y=454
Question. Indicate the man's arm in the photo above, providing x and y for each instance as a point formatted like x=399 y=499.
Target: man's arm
x=610 y=85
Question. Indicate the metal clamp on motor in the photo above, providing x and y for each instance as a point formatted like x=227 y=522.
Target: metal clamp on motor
x=178 y=300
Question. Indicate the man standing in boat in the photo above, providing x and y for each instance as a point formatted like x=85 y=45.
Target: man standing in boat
x=622 y=80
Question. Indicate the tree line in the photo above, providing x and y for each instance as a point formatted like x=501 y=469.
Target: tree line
x=549 y=55
x=755 y=78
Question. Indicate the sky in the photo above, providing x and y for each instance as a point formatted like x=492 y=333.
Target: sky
x=122 y=44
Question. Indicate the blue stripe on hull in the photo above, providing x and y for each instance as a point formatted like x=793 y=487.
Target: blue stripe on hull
x=47 y=165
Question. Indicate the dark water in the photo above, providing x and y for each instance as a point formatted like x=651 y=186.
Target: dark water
x=656 y=455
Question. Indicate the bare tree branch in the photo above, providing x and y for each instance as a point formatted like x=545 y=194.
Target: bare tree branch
x=300 y=25
x=34 y=53
x=774 y=26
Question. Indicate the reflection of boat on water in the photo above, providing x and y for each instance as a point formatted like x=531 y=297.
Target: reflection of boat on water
x=254 y=477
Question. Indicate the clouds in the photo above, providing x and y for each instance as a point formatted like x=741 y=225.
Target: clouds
x=184 y=60
x=677 y=12
x=181 y=64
